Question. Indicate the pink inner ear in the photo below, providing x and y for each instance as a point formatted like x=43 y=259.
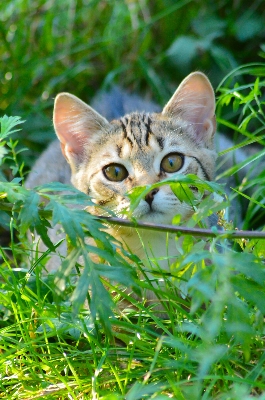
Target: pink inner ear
x=200 y=96
x=68 y=125
x=76 y=125
x=71 y=136
x=194 y=102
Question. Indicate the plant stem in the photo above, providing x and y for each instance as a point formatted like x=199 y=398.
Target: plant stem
x=179 y=230
x=182 y=230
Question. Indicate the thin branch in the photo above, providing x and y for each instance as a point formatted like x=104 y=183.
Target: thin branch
x=182 y=230
x=178 y=230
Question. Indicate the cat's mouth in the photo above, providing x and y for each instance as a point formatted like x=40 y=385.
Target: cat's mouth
x=149 y=212
x=152 y=212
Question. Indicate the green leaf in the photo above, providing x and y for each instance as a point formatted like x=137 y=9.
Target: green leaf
x=186 y=48
x=250 y=266
x=250 y=291
x=248 y=25
x=69 y=218
x=208 y=355
x=29 y=212
x=42 y=230
x=66 y=268
x=117 y=273
x=8 y=124
x=30 y=219
x=66 y=194
x=138 y=193
x=83 y=285
x=13 y=192
x=238 y=324
x=183 y=193
x=100 y=303
x=209 y=24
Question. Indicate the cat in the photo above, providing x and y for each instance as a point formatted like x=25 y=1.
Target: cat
x=107 y=159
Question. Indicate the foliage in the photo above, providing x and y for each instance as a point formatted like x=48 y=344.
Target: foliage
x=89 y=332
x=241 y=109
x=81 y=46
x=207 y=344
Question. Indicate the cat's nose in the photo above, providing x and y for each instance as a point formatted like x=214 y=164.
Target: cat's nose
x=150 y=196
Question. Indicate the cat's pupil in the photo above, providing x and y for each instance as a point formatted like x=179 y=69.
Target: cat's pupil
x=172 y=162
x=115 y=172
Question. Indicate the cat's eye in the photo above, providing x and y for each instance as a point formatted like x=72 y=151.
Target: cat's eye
x=172 y=162
x=115 y=172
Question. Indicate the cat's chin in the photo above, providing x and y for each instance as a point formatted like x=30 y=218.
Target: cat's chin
x=156 y=217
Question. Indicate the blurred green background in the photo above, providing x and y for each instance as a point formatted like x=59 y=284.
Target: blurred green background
x=147 y=47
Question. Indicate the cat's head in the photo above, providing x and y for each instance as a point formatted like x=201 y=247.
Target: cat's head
x=108 y=159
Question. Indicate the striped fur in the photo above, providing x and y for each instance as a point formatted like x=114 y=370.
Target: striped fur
x=138 y=142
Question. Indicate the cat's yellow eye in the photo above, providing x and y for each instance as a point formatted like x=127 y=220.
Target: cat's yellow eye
x=115 y=172
x=172 y=162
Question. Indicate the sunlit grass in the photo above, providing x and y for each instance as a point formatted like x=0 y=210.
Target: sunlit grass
x=208 y=345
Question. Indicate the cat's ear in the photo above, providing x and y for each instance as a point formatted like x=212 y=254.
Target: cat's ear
x=76 y=125
x=194 y=102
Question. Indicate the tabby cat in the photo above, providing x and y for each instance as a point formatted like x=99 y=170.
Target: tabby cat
x=108 y=159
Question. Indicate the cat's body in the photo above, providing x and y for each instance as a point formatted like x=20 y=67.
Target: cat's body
x=107 y=159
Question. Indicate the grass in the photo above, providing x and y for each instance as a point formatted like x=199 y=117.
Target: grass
x=59 y=341
x=83 y=46
x=209 y=345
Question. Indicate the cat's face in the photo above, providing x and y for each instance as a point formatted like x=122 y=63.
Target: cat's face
x=109 y=159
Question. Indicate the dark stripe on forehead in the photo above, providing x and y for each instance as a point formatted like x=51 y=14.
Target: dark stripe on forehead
x=118 y=150
x=160 y=142
x=149 y=132
x=125 y=134
x=136 y=137
x=134 y=123
x=203 y=169
x=147 y=122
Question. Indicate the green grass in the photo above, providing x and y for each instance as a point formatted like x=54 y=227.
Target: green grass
x=82 y=46
x=208 y=345
x=211 y=344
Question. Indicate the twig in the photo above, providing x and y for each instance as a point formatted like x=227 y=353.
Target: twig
x=182 y=230
x=179 y=230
